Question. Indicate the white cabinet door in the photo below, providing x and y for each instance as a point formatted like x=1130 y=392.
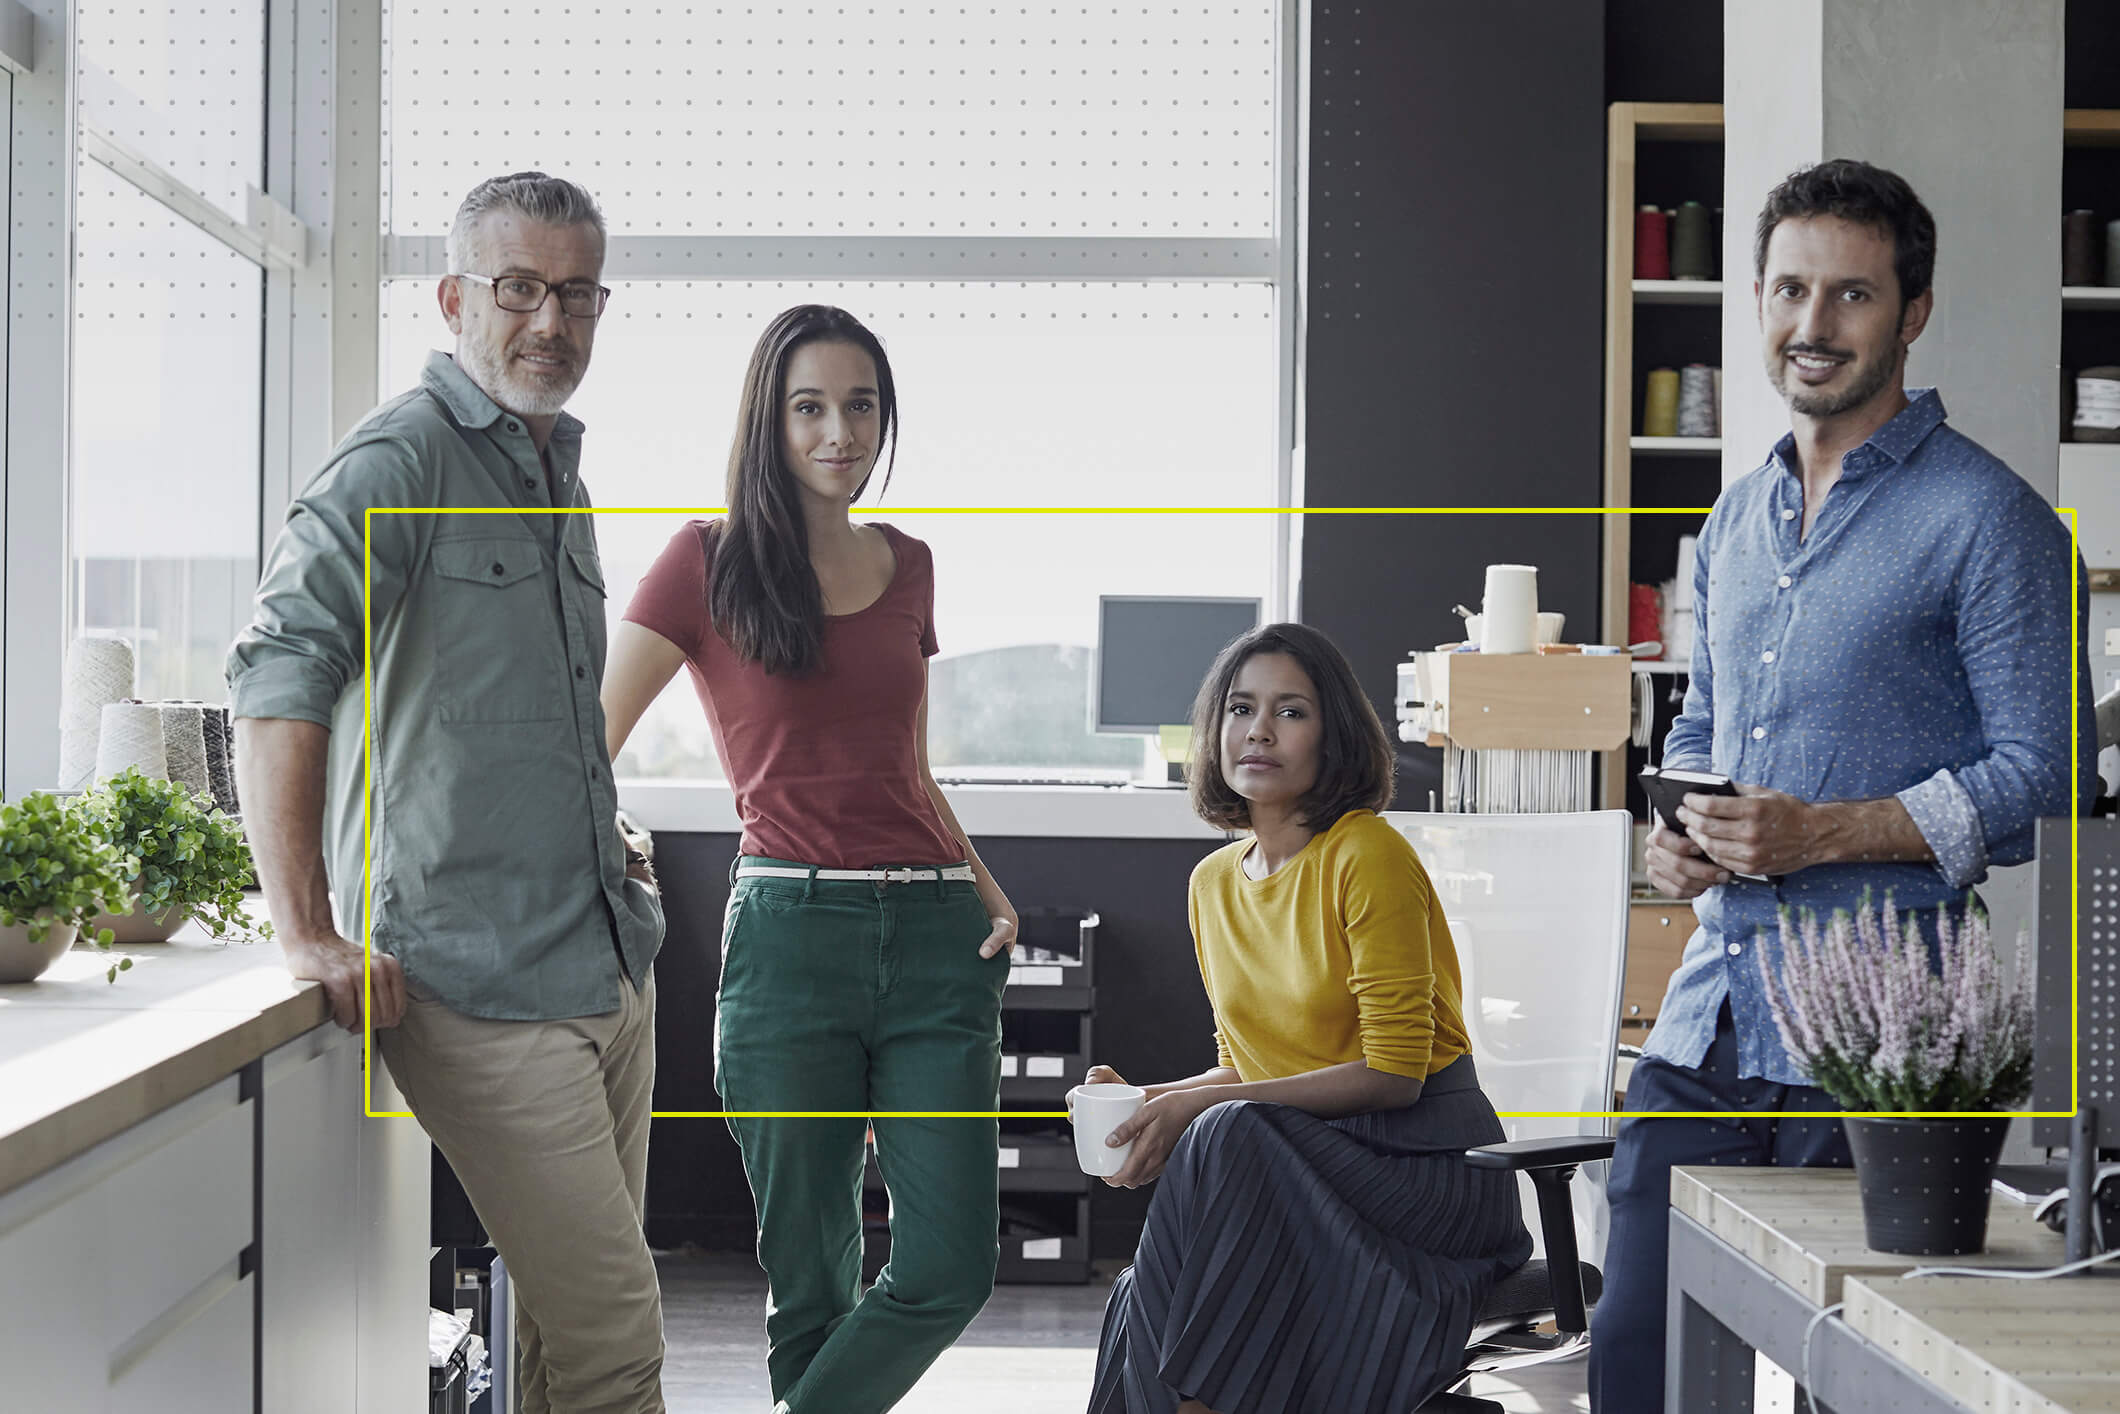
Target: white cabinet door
x=395 y=1185
x=309 y=1227
x=202 y=1365
x=120 y=1270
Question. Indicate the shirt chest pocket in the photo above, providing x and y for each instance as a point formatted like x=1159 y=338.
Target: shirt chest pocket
x=589 y=576
x=496 y=633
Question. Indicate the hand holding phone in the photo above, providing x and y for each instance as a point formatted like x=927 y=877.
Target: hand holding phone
x=1668 y=789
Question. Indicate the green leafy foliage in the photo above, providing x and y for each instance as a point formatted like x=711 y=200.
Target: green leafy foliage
x=58 y=867
x=186 y=853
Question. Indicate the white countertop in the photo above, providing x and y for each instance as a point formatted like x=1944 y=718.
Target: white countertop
x=82 y=1059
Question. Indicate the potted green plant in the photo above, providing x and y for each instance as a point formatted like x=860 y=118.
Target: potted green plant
x=57 y=872
x=1884 y=1021
x=190 y=859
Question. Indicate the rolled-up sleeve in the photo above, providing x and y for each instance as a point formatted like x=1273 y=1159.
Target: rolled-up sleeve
x=2020 y=644
x=303 y=644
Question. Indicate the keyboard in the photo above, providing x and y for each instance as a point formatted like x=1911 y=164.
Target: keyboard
x=1107 y=780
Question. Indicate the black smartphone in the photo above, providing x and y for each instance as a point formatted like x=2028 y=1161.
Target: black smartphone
x=1668 y=789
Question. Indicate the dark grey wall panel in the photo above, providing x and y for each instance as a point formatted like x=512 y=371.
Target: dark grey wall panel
x=1455 y=353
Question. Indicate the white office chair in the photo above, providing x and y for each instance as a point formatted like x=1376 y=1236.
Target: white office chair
x=1537 y=905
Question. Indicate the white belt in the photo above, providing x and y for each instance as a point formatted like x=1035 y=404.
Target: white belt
x=961 y=873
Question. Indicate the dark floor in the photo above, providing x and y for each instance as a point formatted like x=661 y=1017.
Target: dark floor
x=1031 y=1351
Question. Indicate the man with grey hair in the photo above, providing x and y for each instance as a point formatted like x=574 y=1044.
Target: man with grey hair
x=514 y=929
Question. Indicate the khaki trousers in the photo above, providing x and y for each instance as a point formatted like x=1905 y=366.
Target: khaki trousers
x=546 y=1125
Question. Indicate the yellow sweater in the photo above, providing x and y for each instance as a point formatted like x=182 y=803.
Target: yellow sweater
x=1341 y=955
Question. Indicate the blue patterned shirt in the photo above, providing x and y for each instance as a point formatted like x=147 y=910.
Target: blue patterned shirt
x=1917 y=644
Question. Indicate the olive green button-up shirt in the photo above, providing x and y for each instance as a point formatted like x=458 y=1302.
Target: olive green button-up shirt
x=498 y=873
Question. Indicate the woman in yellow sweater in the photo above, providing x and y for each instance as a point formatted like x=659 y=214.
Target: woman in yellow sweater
x=1316 y=1242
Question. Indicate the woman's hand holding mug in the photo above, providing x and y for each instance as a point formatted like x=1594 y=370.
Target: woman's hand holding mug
x=1096 y=1107
x=1146 y=1138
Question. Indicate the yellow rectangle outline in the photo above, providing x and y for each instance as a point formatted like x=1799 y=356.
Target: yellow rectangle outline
x=368 y=791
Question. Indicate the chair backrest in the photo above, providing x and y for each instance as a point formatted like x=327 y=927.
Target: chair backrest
x=1537 y=906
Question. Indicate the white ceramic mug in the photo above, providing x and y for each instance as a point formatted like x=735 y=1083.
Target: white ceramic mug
x=1095 y=1111
x=1509 y=610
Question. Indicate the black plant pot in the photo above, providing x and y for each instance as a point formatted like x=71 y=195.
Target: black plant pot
x=1925 y=1182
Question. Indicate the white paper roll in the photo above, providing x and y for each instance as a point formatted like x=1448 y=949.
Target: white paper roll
x=99 y=671
x=1683 y=590
x=131 y=735
x=1509 y=610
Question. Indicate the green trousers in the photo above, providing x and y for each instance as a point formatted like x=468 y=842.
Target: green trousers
x=850 y=995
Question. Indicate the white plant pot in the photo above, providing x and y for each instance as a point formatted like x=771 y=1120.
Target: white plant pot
x=24 y=961
x=137 y=927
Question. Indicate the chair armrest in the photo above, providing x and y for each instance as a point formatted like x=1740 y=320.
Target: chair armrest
x=1550 y=1164
x=1560 y=1151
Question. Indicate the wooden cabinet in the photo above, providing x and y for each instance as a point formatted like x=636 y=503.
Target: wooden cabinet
x=1656 y=938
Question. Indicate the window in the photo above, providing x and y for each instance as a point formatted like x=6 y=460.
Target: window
x=828 y=119
x=886 y=159
x=168 y=339
x=182 y=86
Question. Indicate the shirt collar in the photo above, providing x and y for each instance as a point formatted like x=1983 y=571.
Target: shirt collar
x=470 y=405
x=1892 y=443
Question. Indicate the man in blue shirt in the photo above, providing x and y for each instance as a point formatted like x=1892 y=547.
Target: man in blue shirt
x=1882 y=649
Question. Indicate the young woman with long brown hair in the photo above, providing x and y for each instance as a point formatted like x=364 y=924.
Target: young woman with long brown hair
x=865 y=946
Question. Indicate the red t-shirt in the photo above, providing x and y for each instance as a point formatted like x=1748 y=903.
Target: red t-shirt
x=824 y=766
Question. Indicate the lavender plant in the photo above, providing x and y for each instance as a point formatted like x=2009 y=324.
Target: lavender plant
x=1860 y=1005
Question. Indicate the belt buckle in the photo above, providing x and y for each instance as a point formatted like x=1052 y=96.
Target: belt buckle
x=898 y=876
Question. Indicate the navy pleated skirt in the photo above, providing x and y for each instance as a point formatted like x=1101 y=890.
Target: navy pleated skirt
x=1295 y=1265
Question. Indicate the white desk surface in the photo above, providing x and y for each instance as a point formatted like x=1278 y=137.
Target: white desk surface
x=2017 y=1347
x=1805 y=1227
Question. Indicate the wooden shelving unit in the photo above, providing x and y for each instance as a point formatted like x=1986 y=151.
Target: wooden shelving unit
x=1629 y=125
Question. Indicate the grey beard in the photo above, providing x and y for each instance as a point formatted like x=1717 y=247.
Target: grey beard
x=521 y=396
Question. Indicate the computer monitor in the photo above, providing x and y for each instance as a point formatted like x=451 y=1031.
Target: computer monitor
x=1152 y=652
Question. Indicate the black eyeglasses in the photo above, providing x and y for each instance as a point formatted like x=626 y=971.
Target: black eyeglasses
x=520 y=294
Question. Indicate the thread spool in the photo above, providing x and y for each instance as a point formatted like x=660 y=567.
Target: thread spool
x=214 y=723
x=1645 y=615
x=2079 y=248
x=1652 y=244
x=1509 y=610
x=1660 y=404
x=1696 y=401
x=1691 y=255
x=2097 y=405
x=131 y=735
x=2112 y=253
x=184 y=746
x=99 y=671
